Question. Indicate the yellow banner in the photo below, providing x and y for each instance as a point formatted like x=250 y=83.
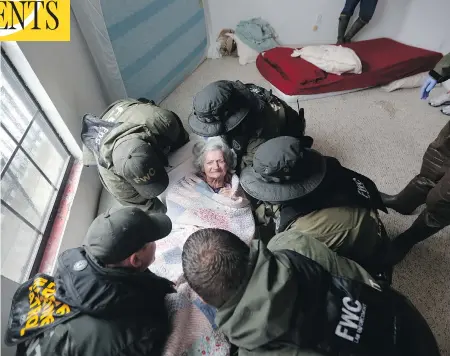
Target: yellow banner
x=35 y=309
x=43 y=306
x=35 y=20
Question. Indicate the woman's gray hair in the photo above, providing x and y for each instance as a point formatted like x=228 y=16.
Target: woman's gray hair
x=213 y=144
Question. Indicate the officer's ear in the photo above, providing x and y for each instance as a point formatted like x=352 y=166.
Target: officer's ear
x=135 y=261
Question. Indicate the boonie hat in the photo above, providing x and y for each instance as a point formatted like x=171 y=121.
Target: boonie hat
x=283 y=169
x=220 y=107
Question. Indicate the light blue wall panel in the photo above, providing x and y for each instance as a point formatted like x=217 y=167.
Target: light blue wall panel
x=157 y=43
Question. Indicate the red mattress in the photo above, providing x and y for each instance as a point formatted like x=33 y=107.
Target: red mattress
x=383 y=61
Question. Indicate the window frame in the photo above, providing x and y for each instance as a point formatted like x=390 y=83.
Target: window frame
x=33 y=268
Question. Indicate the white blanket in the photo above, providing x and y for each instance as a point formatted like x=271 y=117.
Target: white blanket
x=331 y=59
x=193 y=205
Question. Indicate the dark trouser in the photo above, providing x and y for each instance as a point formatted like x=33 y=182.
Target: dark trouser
x=366 y=11
x=436 y=168
x=414 y=336
x=431 y=187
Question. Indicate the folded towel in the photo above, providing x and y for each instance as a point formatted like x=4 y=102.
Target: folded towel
x=257 y=33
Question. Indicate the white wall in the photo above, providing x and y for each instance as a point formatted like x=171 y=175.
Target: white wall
x=8 y=289
x=293 y=20
x=427 y=25
x=68 y=75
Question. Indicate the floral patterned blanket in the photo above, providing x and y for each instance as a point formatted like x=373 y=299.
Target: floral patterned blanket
x=193 y=205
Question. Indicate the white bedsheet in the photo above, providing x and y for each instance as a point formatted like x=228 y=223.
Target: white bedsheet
x=292 y=99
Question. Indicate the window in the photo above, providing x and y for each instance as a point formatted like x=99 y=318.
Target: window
x=34 y=168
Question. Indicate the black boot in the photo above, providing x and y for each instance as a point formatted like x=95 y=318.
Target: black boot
x=411 y=197
x=356 y=27
x=422 y=228
x=342 y=27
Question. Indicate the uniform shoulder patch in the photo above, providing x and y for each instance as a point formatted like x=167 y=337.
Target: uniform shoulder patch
x=80 y=265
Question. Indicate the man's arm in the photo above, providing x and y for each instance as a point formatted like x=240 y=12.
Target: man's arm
x=124 y=192
x=439 y=74
x=53 y=342
x=442 y=70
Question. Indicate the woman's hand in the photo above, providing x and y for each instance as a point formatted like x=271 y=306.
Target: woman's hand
x=227 y=192
x=180 y=281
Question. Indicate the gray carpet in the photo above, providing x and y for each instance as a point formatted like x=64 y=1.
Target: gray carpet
x=382 y=135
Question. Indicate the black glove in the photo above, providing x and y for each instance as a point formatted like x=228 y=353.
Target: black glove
x=306 y=141
x=146 y=101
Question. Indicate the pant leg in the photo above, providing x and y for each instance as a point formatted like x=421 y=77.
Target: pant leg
x=367 y=9
x=414 y=336
x=436 y=167
x=437 y=156
x=446 y=85
x=438 y=202
x=349 y=7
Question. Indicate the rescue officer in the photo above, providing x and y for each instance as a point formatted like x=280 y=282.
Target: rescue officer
x=297 y=297
x=246 y=115
x=102 y=300
x=430 y=187
x=302 y=190
x=130 y=143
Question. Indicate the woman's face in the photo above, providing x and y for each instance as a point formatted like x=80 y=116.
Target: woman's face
x=215 y=166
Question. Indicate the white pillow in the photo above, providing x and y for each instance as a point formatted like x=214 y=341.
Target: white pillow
x=414 y=81
x=331 y=59
x=246 y=54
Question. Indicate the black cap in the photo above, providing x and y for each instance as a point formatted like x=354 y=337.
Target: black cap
x=118 y=233
x=136 y=161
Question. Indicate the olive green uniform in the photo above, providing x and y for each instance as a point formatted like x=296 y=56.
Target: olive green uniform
x=356 y=233
x=161 y=128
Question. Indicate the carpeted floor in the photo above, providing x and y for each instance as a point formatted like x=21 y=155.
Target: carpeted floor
x=382 y=135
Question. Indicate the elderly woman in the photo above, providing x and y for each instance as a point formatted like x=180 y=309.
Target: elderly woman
x=214 y=162
x=211 y=196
